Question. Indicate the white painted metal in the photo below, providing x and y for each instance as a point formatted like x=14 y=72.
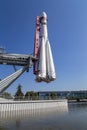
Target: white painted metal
x=42 y=63
x=46 y=64
x=50 y=63
x=5 y=83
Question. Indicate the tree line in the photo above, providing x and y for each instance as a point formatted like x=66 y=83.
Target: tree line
x=29 y=95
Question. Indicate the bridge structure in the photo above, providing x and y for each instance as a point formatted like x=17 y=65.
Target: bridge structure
x=25 y=61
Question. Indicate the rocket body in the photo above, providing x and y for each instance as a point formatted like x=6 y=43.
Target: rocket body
x=45 y=65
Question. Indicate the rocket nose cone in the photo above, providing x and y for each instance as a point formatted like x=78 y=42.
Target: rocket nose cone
x=44 y=14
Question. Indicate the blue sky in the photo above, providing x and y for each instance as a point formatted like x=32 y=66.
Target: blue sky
x=67 y=30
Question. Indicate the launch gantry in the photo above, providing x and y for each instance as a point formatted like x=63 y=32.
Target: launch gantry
x=25 y=61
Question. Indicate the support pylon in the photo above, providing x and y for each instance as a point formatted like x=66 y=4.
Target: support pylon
x=5 y=83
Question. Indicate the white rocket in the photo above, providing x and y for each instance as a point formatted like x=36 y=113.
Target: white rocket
x=45 y=65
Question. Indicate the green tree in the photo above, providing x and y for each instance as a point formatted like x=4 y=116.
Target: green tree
x=6 y=95
x=53 y=95
x=31 y=95
x=19 y=94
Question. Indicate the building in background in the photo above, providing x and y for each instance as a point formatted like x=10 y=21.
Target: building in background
x=71 y=95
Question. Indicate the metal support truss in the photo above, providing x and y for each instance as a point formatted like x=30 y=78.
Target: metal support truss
x=26 y=61
x=16 y=59
x=5 y=83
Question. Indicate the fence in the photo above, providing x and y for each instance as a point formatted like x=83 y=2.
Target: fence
x=11 y=105
x=21 y=108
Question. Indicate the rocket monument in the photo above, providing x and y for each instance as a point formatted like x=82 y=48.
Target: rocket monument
x=44 y=67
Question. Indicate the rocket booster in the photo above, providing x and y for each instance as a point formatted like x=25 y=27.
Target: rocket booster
x=45 y=65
